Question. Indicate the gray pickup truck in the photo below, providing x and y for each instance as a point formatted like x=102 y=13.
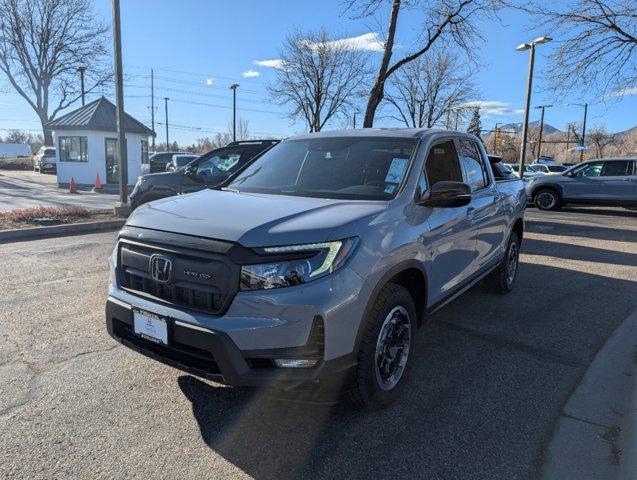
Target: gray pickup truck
x=311 y=269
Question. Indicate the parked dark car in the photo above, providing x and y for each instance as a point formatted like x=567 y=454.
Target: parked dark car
x=207 y=171
x=180 y=161
x=158 y=161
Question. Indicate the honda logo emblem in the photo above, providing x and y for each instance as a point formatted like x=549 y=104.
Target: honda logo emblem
x=161 y=268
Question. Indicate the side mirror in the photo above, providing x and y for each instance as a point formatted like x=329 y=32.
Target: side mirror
x=447 y=194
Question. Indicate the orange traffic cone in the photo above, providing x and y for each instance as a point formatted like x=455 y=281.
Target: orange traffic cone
x=72 y=186
x=98 y=184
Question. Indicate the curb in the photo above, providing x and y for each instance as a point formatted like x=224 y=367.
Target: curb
x=592 y=436
x=628 y=440
x=8 y=236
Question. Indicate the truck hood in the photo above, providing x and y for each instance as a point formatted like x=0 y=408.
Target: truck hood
x=253 y=220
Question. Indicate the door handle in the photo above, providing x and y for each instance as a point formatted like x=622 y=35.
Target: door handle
x=470 y=210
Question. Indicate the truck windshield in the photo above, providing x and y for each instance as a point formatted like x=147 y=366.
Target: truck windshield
x=338 y=167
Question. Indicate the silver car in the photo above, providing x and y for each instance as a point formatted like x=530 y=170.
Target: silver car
x=610 y=181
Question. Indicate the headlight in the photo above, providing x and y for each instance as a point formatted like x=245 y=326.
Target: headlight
x=315 y=260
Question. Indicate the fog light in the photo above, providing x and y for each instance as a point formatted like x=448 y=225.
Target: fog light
x=295 y=362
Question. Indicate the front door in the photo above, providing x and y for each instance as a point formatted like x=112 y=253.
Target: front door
x=452 y=235
x=112 y=161
x=584 y=182
x=211 y=169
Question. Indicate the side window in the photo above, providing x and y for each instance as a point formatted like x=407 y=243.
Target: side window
x=220 y=163
x=590 y=170
x=473 y=165
x=619 y=168
x=442 y=164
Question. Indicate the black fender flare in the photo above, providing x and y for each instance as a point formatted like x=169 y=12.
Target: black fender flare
x=384 y=280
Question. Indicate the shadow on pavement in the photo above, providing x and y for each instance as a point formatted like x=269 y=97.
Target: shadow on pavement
x=490 y=377
x=580 y=230
x=579 y=252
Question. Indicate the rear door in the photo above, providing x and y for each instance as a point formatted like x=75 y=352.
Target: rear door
x=485 y=211
x=616 y=182
x=451 y=237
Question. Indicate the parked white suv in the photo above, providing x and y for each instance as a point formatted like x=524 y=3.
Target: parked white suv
x=44 y=160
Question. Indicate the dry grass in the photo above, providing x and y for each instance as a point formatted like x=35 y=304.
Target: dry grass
x=32 y=217
x=10 y=163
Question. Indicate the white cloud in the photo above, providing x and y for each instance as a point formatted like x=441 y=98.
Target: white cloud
x=251 y=74
x=494 y=107
x=368 y=42
x=625 y=92
x=210 y=81
x=273 y=63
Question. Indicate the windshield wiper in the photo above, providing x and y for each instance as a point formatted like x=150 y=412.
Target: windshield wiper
x=230 y=189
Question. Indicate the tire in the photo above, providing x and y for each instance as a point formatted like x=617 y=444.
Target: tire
x=392 y=319
x=547 y=199
x=501 y=280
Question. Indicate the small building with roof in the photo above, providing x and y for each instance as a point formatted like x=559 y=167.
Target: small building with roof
x=86 y=145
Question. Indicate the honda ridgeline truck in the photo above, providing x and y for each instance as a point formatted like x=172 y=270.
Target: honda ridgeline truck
x=312 y=268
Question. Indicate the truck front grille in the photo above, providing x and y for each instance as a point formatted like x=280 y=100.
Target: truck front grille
x=199 y=280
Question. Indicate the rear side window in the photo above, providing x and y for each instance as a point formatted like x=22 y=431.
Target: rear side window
x=442 y=164
x=618 y=168
x=473 y=165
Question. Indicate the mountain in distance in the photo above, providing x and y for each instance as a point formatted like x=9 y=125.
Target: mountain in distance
x=517 y=127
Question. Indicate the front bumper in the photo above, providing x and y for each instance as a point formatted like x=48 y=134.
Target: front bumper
x=212 y=354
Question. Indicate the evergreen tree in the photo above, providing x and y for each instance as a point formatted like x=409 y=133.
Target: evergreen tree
x=475 y=125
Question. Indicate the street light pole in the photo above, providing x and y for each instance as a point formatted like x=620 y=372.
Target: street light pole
x=122 y=207
x=585 y=105
x=539 y=147
x=81 y=71
x=166 y=109
x=581 y=153
x=529 y=84
x=152 y=104
x=233 y=87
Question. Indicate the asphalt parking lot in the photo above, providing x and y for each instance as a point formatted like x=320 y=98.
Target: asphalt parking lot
x=491 y=375
x=26 y=189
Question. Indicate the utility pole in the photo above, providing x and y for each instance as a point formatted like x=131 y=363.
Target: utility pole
x=529 y=85
x=152 y=104
x=539 y=147
x=166 y=106
x=354 y=120
x=233 y=87
x=495 y=139
x=81 y=71
x=122 y=207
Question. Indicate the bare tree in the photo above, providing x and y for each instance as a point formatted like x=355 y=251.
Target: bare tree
x=319 y=79
x=42 y=44
x=601 y=139
x=427 y=90
x=17 y=136
x=598 y=48
x=453 y=21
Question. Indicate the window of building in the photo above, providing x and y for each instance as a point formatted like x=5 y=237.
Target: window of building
x=73 y=149
x=144 y=152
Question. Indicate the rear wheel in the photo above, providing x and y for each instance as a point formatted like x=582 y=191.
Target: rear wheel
x=547 y=199
x=385 y=350
x=502 y=278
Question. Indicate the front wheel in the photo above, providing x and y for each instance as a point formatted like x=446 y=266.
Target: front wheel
x=502 y=278
x=385 y=349
x=547 y=199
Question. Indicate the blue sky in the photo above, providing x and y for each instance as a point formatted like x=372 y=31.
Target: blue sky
x=198 y=48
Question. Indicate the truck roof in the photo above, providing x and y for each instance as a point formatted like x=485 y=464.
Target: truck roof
x=376 y=132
